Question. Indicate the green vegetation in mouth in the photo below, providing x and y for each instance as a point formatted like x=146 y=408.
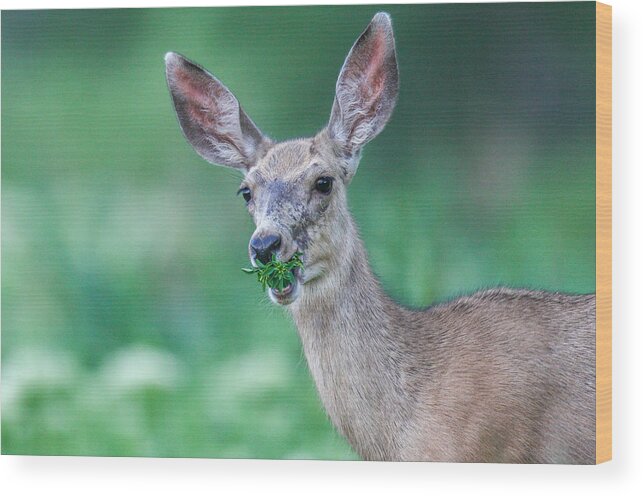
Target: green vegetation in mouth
x=276 y=274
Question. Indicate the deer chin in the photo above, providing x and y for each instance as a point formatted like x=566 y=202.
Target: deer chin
x=285 y=297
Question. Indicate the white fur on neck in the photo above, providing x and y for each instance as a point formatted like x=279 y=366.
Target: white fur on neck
x=358 y=377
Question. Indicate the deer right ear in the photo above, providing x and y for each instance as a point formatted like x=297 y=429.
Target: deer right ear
x=367 y=87
x=211 y=118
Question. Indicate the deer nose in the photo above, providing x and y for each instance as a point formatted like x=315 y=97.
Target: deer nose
x=264 y=246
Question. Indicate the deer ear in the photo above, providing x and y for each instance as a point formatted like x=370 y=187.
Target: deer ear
x=367 y=87
x=211 y=118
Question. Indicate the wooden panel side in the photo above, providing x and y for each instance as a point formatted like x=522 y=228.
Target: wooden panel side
x=603 y=232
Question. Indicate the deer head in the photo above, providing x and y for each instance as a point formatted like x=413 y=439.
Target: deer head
x=294 y=190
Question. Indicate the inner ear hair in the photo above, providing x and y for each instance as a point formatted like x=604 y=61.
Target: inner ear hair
x=211 y=118
x=367 y=87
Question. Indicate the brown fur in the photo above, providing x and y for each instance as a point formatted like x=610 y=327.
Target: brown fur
x=500 y=376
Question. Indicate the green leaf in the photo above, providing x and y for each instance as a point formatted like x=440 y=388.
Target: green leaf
x=276 y=274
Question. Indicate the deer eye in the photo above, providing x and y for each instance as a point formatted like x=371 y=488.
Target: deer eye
x=324 y=185
x=246 y=193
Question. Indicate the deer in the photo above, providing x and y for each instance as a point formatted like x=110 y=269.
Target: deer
x=503 y=375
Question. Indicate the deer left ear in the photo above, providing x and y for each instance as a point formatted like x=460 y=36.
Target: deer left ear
x=211 y=118
x=366 y=89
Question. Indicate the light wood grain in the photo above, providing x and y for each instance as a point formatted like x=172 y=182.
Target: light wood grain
x=603 y=232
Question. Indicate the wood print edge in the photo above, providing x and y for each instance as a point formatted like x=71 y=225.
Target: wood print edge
x=603 y=232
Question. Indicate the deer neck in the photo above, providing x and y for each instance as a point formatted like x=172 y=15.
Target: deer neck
x=348 y=330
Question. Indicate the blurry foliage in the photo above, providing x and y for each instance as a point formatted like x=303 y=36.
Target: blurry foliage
x=127 y=327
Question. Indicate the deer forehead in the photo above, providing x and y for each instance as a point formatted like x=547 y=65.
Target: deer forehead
x=295 y=161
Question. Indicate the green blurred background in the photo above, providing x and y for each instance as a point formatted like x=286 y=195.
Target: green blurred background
x=128 y=327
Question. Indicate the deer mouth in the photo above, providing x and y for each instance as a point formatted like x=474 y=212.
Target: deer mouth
x=289 y=293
